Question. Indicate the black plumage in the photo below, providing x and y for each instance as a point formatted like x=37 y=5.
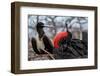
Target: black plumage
x=71 y=50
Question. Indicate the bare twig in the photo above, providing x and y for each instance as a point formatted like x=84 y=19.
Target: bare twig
x=49 y=54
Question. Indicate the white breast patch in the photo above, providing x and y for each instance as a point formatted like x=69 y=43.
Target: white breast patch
x=40 y=44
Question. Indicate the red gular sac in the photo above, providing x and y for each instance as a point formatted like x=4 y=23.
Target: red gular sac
x=60 y=36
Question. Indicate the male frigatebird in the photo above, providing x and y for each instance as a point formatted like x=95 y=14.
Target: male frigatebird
x=67 y=48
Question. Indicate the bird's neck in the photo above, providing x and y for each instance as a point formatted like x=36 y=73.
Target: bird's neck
x=41 y=34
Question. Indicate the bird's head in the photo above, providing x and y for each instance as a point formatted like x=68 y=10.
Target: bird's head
x=39 y=28
x=40 y=25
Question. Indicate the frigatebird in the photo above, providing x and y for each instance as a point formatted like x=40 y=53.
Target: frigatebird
x=67 y=48
x=41 y=42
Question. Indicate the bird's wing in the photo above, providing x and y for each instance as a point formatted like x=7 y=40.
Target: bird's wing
x=48 y=44
x=34 y=45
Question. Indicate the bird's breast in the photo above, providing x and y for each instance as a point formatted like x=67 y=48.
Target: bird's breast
x=40 y=44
